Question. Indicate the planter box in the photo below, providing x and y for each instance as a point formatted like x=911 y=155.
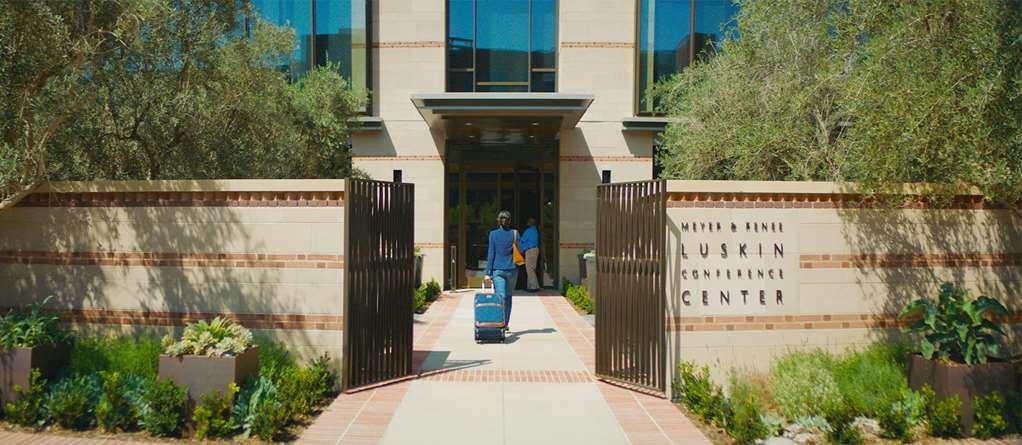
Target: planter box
x=204 y=374
x=16 y=366
x=965 y=381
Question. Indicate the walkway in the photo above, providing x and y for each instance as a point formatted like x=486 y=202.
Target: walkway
x=536 y=388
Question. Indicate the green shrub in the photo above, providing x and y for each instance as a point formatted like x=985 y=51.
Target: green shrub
x=580 y=297
x=700 y=395
x=166 y=408
x=989 y=415
x=213 y=415
x=419 y=300
x=274 y=358
x=871 y=379
x=127 y=355
x=218 y=337
x=28 y=409
x=956 y=328
x=71 y=401
x=746 y=423
x=899 y=419
x=30 y=326
x=942 y=416
x=842 y=426
x=115 y=411
x=259 y=411
x=804 y=385
x=432 y=290
x=303 y=389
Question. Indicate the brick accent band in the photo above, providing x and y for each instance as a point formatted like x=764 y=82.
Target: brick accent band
x=597 y=45
x=410 y=44
x=324 y=322
x=185 y=199
x=430 y=245
x=809 y=201
x=507 y=375
x=797 y=322
x=891 y=260
x=577 y=245
x=575 y=158
x=399 y=158
x=175 y=259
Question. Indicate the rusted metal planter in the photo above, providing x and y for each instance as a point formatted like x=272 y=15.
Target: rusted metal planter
x=203 y=374
x=16 y=366
x=964 y=381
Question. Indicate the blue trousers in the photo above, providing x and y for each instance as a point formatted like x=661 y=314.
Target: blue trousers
x=503 y=282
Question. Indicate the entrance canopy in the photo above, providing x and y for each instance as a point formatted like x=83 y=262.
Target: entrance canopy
x=452 y=111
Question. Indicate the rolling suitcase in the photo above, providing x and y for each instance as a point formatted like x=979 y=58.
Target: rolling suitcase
x=489 y=316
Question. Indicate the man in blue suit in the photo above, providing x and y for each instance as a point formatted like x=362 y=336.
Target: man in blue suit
x=529 y=245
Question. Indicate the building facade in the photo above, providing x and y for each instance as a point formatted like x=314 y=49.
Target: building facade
x=523 y=105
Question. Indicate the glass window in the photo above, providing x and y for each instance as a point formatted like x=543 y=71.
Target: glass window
x=666 y=43
x=502 y=45
x=326 y=31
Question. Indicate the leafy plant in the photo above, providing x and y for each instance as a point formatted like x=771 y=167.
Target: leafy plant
x=215 y=338
x=213 y=416
x=274 y=358
x=957 y=329
x=115 y=410
x=900 y=418
x=419 y=300
x=700 y=395
x=579 y=296
x=432 y=289
x=871 y=379
x=259 y=411
x=302 y=389
x=30 y=326
x=745 y=424
x=842 y=426
x=28 y=409
x=989 y=415
x=127 y=355
x=804 y=385
x=71 y=401
x=942 y=415
x=165 y=415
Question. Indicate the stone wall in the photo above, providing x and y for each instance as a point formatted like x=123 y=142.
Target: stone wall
x=150 y=256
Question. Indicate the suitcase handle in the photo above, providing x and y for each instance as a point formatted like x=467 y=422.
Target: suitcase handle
x=482 y=287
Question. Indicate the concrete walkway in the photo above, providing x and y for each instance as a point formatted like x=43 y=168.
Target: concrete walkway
x=536 y=388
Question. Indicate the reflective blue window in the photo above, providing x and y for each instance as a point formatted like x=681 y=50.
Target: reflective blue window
x=666 y=42
x=501 y=45
x=326 y=31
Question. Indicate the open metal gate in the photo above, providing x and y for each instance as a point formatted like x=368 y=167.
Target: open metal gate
x=631 y=221
x=379 y=279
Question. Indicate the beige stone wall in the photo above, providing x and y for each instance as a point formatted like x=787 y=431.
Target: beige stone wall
x=151 y=255
x=847 y=269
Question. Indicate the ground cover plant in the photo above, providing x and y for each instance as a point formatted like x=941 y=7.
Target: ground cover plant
x=425 y=294
x=579 y=296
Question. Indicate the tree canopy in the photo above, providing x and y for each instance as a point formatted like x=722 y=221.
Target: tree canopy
x=161 y=89
x=871 y=91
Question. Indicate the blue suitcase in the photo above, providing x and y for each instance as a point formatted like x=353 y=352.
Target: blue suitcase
x=489 y=317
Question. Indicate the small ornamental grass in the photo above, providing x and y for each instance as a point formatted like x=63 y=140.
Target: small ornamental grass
x=215 y=338
x=804 y=384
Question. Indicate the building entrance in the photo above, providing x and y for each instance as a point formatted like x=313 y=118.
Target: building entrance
x=481 y=181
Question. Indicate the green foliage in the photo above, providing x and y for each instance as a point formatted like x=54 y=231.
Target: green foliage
x=215 y=338
x=804 y=385
x=71 y=401
x=259 y=411
x=871 y=91
x=115 y=411
x=274 y=359
x=580 y=297
x=989 y=416
x=303 y=389
x=419 y=300
x=165 y=415
x=842 y=426
x=432 y=289
x=700 y=394
x=957 y=328
x=29 y=408
x=127 y=355
x=871 y=379
x=162 y=89
x=30 y=326
x=213 y=415
x=426 y=292
x=899 y=419
x=942 y=415
x=746 y=424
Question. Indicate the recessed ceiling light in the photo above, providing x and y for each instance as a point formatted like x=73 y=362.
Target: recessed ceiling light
x=468 y=124
x=534 y=124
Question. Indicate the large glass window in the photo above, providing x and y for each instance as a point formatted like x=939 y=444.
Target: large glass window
x=326 y=31
x=502 y=45
x=666 y=41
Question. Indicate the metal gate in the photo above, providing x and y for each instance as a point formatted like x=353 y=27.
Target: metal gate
x=631 y=228
x=379 y=278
